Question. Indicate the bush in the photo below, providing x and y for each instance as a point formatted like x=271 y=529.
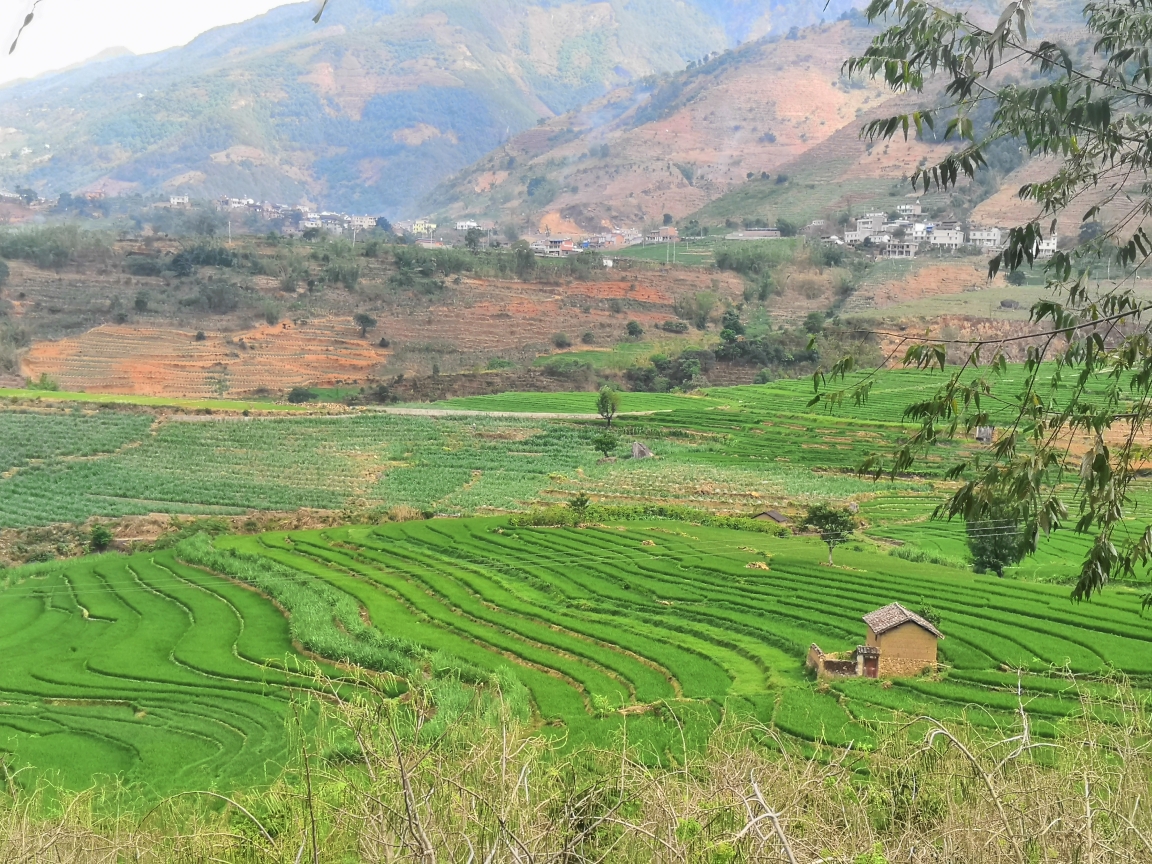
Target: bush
x=141 y=301
x=4 y=273
x=347 y=273
x=753 y=258
x=144 y=265
x=300 y=395
x=42 y=383
x=185 y=262
x=50 y=247
x=1016 y=277
x=589 y=338
x=635 y=331
x=922 y=556
x=561 y=340
x=219 y=297
x=674 y=326
x=100 y=538
x=567 y=367
x=200 y=337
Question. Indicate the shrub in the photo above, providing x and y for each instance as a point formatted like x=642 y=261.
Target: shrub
x=219 y=297
x=4 y=273
x=674 y=326
x=561 y=340
x=384 y=343
x=589 y=338
x=205 y=254
x=300 y=395
x=1017 y=277
x=200 y=337
x=635 y=331
x=50 y=247
x=606 y=443
x=141 y=301
x=42 y=383
x=347 y=273
x=497 y=363
x=922 y=556
x=272 y=313
x=144 y=265
x=100 y=538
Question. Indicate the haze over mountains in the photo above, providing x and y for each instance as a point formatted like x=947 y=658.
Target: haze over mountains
x=367 y=112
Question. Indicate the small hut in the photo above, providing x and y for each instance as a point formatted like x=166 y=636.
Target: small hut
x=907 y=642
x=899 y=644
x=772 y=516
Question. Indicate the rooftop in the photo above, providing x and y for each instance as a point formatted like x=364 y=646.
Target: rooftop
x=892 y=616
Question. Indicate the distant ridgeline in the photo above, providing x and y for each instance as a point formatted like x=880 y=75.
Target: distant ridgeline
x=365 y=112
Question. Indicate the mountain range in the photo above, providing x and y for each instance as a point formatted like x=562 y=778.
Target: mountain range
x=375 y=107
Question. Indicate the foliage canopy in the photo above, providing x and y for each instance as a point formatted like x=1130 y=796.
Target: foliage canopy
x=1066 y=458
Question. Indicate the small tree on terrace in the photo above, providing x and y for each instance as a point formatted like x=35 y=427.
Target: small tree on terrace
x=365 y=322
x=994 y=543
x=607 y=404
x=606 y=443
x=834 y=525
x=472 y=240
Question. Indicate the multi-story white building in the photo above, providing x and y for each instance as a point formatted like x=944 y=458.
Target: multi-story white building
x=901 y=249
x=467 y=225
x=1047 y=248
x=866 y=226
x=986 y=238
x=178 y=201
x=907 y=211
x=922 y=231
x=362 y=223
x=949 y=238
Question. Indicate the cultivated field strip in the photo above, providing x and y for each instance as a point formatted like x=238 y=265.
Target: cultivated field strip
x=644 y=615
x=143 y=667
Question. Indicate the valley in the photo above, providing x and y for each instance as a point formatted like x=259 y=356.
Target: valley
x=549 y=430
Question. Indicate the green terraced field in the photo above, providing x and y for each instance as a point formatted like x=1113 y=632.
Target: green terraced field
x=645 y=615
x=142 y=667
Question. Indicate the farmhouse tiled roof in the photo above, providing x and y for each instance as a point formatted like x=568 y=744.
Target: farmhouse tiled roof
x=891 y=617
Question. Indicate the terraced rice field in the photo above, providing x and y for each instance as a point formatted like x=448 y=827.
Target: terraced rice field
x=644 y=616
x=142 y=667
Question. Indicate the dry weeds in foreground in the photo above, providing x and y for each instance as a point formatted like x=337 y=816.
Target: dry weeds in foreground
x=393 y=782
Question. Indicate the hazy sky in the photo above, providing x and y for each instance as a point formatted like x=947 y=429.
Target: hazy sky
x=70 y=31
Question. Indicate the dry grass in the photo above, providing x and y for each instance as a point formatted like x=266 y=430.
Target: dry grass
x=412 y=781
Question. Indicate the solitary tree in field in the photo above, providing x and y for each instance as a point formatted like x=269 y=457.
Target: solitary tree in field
x=994 y=544
x=365 y=322
x=834 y=525
x=472 y=240
x=1081 y=110
x=606 y=443
x=607 y=404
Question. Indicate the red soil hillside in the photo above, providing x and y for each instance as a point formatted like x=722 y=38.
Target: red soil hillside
x=467 y=326
x=673 y=149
